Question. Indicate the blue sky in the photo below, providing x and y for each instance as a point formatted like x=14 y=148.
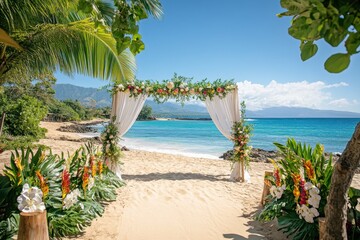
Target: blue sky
x=242 y=40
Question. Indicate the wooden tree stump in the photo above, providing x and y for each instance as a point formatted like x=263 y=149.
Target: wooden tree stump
x=33 y=226
x=266 y=189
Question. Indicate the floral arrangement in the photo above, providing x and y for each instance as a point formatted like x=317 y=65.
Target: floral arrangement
x=298 y=189
x=110 y=139
x=179 y=88
x=73 y=190
x=241 y=132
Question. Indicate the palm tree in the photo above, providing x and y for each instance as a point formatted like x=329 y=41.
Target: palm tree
x=55 y=35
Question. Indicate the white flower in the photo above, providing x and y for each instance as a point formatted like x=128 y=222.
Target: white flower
x=148 y=89
x=307 y=213
x=192 y=91
x=314 y=200
x=187 y=89
x=277 y=191
x=71 y=198
x=91 y=183
x=181 y=85
x=170 y=85
x=120 y=87
x=30 y=199
x=135 y=91
x=200 y=89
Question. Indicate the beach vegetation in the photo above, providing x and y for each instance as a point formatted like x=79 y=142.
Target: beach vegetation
x=145 y=113
x=335 y=22
x=74 y=188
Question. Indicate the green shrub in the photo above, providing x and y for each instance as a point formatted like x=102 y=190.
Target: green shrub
x=63 y=112
x=23 y=117
x=146 y=113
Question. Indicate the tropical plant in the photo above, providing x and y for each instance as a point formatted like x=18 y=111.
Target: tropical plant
x=74 y=188
x=299 y=189
x=335 y=21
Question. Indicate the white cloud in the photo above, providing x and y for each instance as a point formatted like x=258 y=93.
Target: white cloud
x=342 y=102
x=293 y=94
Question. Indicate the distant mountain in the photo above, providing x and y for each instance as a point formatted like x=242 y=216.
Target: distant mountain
x=83 y=95
x=298 y=112
x=171 y=109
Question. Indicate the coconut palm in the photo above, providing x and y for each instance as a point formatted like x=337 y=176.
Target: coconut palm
x=56 y=35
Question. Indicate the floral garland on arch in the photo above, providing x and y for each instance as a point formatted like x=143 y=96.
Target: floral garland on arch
x=241 y=133
x=179 y=88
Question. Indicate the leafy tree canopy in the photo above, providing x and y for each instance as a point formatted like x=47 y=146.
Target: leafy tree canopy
x=335 y=21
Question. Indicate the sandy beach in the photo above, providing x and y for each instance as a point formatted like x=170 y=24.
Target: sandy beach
x=176 y=197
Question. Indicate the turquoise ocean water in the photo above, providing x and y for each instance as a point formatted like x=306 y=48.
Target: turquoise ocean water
x=201 y=138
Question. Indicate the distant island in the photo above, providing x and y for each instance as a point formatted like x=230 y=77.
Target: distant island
x=192 y=111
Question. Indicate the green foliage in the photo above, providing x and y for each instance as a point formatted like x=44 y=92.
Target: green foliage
x=145 y=113
x=299 y=189
x=93 y=181
x=10 y=142
x=334 y=21
x=24 y=116
x=241 y=132
x=110 y=139
x=63 y=112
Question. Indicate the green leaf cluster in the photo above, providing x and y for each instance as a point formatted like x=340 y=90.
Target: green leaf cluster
x=23 y=116
x=334 y=21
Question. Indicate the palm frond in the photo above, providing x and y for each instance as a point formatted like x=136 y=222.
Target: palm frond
x=152 y=6
x=21 y=14
x=75 y=47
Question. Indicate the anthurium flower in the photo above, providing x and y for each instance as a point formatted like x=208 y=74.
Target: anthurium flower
x=30 y=199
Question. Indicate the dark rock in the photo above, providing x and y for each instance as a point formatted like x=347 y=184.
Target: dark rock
x=77 y=128
x=261 y=155
x=124 y=148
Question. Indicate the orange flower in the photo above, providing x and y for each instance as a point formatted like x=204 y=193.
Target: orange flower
x=44 y=187
x=18 y=164
x=100 y=167
x=65 y=185
x=92 y=165
x=85 y=178
x=277 y=177
x=296 y=178
x=296 y=193
x=309 y=169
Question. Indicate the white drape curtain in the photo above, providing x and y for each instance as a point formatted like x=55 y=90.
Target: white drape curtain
x=224 y=112
x=125 y=109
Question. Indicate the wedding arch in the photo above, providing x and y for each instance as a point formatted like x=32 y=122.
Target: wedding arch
x=220 y=97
